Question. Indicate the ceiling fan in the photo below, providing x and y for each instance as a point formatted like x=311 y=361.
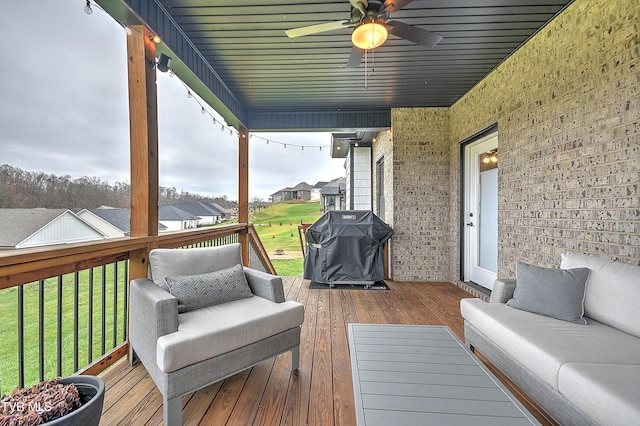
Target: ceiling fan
x=370 y=19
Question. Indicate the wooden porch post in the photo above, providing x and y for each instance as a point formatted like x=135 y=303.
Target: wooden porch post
x=143 y=128
x=243 y=190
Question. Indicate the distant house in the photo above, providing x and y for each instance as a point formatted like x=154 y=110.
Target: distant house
x=22 y=228
x=113 y=223
x=176 y=219
x=301 y=191
x=333 y=195
x=226 y=213
x=207 y=213
x=316 y=191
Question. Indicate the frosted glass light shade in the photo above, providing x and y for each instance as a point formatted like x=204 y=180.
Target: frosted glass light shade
x=369 y=35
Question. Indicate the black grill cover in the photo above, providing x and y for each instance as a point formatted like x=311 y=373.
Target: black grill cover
x=346 y=246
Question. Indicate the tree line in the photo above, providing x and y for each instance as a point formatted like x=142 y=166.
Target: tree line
x=26 y=189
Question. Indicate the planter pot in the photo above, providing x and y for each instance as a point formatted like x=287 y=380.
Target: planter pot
x=91 y=390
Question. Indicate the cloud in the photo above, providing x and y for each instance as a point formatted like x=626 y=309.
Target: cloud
x=64 y=110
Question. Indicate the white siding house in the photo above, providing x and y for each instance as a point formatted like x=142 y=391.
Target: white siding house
x=22 y=228
x=358 y=189
x=176 y=219
x=109 y=229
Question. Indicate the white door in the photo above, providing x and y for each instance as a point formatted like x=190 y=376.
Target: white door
x=481 y=211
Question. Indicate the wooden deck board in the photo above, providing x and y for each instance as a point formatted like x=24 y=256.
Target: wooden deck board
x=321 y=393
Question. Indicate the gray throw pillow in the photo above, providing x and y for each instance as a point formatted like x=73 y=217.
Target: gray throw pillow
x=211 y=288
x=556 y=293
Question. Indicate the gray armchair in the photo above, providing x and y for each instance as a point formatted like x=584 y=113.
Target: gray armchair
x=187 y=347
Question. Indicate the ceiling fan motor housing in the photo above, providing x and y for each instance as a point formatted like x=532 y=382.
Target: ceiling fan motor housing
x=374 y=10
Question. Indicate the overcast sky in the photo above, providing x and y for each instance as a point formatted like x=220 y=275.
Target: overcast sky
x=64 y=110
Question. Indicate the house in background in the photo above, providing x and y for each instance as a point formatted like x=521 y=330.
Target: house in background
x=316 y=191
x=112 y=222
x=333 y=195
x=226 y=213
x=301 y=191
x=207 y=213
x=22 y=228
x=176 y=219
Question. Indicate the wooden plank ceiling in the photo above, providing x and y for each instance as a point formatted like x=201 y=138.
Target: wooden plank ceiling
x=244 y=41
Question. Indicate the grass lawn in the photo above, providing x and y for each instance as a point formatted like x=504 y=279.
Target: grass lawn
x=277 y=225
x=9 y=329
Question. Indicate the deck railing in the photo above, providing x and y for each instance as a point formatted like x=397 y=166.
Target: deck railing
x=64 y=308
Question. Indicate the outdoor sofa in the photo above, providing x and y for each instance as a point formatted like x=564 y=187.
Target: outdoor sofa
x=201 y=317
x=580 y=374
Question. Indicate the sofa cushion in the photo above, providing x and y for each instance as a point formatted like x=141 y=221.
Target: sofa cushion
x=542 y=344
x=607 y=393
x=556 y=293
x=613 y=290
x=211 y=288
x=193 y=261
x=218 y=329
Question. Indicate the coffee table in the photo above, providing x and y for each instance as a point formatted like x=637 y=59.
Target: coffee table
x=424 y=375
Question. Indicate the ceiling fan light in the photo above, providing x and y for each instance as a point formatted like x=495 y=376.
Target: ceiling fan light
x=369 y=35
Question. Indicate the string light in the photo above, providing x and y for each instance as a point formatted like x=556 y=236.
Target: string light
x=233 y=131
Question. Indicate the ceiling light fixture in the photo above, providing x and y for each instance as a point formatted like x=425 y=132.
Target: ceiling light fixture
x=87 y=8
x=369 y=35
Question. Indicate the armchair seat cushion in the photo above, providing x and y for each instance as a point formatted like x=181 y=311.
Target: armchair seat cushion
x=237 y=324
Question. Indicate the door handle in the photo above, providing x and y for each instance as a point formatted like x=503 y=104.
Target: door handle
x=470 y=224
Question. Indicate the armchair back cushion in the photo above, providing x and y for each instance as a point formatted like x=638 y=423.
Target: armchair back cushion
x=613 y=290
x=172 y=262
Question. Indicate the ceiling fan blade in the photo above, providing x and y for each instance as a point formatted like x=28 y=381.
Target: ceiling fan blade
x=361 y=5
x=355 y=57
x=414 y=34
x=318 y=28
x=393 y=5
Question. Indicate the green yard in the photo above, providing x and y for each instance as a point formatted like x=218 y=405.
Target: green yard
x=9 y=329
x=277 y=225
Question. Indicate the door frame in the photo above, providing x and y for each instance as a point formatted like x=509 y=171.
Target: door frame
x=478 y=137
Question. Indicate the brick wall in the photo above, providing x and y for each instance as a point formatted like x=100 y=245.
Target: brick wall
x=567 y=106
x=421 y=194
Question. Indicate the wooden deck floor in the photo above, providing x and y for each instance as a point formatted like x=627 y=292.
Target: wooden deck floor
x=268 y=394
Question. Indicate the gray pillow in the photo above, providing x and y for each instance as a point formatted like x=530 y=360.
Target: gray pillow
x=211 y=288
x=556 y=293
